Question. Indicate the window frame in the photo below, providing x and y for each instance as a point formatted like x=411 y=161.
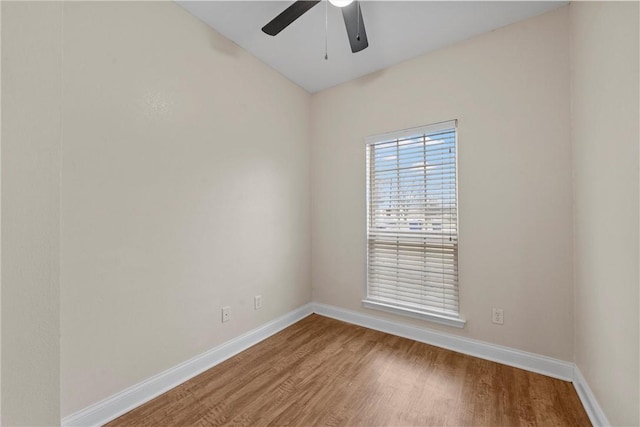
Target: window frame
x=397 y=307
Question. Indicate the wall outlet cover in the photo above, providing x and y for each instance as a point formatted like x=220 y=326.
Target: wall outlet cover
x=226 y=314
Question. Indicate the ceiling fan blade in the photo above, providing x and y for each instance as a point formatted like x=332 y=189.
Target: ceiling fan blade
x=352 y=15
x=290 y=14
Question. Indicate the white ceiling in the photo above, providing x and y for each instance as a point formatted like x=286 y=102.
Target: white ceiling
x=397 y=31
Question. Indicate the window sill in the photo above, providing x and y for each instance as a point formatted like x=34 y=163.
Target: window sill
x=424 y=315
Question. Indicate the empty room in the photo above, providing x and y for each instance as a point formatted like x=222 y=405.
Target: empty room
x=323 y=212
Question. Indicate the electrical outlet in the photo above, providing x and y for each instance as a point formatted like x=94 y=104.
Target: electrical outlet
x=226 y=314
x=498 y=316
x=257 y=302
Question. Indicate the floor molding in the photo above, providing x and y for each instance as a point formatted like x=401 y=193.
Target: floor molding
x=508 y=356
x=126 y=400
x=556 y=368
x=595 y=412
x=120 y=403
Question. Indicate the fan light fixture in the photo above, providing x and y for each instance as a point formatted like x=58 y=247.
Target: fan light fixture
x=341 y=3
x=351 y=13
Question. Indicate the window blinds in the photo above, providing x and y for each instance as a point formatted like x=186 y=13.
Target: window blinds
x=412 y=219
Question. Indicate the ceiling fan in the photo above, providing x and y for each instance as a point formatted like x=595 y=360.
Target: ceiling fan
x=350 y=12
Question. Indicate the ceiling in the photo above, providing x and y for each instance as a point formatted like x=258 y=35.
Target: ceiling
x=397 y=31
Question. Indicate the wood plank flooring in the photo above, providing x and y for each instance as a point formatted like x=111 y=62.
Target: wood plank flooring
x=323 y=372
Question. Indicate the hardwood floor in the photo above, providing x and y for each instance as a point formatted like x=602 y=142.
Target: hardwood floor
x=323 y=372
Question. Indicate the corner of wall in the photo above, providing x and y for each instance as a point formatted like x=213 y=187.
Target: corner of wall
x=605 y=163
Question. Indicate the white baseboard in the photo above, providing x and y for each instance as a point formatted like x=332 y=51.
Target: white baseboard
x=120 y=403
x=595 y=412
x=508 y=356
x=556 y=368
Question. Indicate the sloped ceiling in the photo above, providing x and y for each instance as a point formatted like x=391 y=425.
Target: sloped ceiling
x=397 y=31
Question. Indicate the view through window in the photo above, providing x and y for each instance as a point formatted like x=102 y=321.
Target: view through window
x=412 y=221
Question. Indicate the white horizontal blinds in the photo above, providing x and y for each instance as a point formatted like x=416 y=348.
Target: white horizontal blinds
x=413 y=219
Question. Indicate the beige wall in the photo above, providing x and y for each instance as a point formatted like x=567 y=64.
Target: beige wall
x=31 y=132
x=510 y=91
x=186 y=181
x=604 y=63
x=0 y=214
x=185 y=188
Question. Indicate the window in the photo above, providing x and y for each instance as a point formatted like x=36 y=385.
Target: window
x=412 y=223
